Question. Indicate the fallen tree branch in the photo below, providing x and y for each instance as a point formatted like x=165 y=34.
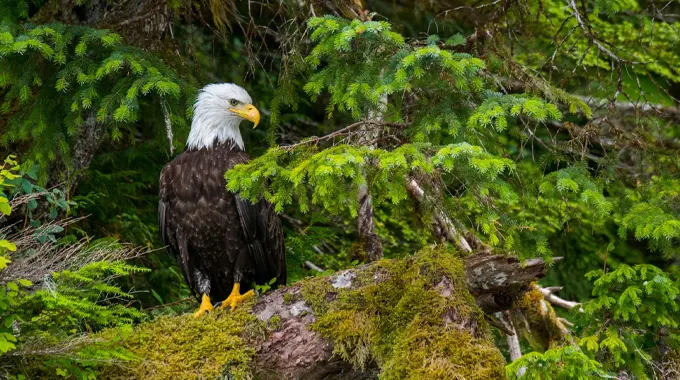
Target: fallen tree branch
x=482 y=267
x=427 y=295
x=295 y=351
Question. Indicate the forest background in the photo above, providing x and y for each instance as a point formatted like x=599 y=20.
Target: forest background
x=531 y=129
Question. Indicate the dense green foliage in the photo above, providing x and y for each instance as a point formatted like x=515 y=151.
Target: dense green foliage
x=72 y=74
x=633 y=306
x=76 y=293
x=543 y=128
x=9 y=293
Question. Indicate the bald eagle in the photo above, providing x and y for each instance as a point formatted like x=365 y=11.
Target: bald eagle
x=222 y=242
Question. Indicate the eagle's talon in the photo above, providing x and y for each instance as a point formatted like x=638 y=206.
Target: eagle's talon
x=235 y=298
x=206 y=306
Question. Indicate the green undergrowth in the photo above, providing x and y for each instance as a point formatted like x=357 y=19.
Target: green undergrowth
x=413 y=318
x=181 y=347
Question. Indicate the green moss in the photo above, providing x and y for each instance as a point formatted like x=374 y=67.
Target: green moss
x=288 y=298
x=402 y=315
x=274 y=323
x=186 y=348
x=543 y=332
x=426 y=353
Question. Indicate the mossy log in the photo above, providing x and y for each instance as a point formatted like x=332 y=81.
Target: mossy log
x=296 y=351
x=415 y=318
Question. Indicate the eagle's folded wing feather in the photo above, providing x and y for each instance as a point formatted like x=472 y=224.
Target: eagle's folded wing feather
x=175 y=245
x=262 y=230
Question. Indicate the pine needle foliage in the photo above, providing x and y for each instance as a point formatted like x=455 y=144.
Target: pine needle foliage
x=653 y=213
x=9 y=293
x=442 y=116
x=59 y=79
x=634 y=310
x=359 y=63
x=563 y=363
x=575 y=184
x=631 y=321
x=321 y=171
x=473 y=113
x=605 y=20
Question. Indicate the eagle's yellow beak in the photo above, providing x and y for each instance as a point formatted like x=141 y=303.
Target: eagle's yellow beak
x=248 y=112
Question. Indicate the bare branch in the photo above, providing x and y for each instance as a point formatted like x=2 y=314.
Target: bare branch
x=443 y=221
x=313 y=266
x=586 y=30
x=344 y=131
x=368 y=236
x=555 y=300
x=512 y=337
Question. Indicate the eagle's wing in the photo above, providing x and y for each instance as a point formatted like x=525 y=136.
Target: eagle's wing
x=262 y=229
x=174 y=242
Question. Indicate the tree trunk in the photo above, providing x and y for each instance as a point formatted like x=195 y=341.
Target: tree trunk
x=368 y=236
x=141 y=23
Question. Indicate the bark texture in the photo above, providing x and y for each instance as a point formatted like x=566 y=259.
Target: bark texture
x=366 y=226
x=84 y=148
x=295 y=351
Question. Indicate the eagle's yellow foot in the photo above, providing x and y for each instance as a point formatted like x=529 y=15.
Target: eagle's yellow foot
x=236 y=297
x=206 y=306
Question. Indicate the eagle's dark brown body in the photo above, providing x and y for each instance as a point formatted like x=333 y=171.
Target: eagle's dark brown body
x=216 y=237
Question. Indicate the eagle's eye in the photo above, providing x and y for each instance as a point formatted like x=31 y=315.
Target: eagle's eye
x=233 y=102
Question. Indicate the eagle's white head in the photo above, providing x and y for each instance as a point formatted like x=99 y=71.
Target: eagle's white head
x=218 y=111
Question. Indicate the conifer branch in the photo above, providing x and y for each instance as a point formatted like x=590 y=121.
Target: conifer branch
x=344 y=132
x=587 y=31
x=621 y=108
x=478 y=36
x=625 y=108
